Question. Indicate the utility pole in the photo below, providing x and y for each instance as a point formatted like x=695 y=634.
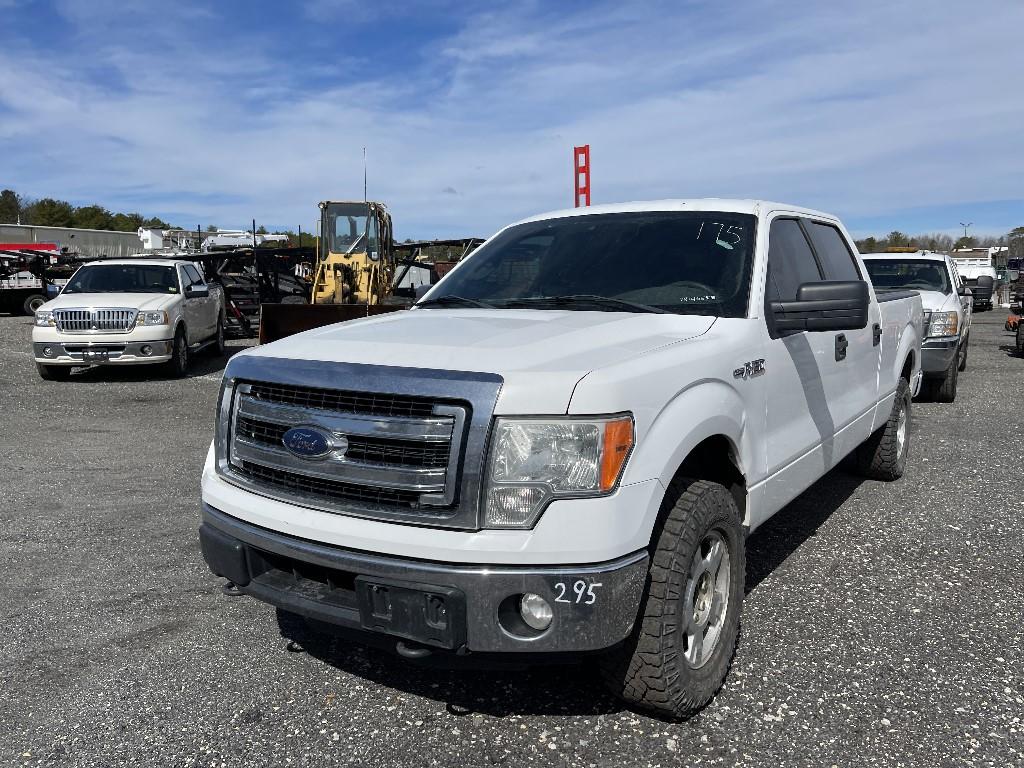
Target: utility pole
x=965 y=226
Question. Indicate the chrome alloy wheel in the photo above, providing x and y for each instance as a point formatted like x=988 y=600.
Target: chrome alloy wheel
x=706 y=599
x=901 y=431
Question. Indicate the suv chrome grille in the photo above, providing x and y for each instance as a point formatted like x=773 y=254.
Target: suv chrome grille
x=112 y=320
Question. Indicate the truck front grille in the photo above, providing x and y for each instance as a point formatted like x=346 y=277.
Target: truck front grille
x=104 y=320
x=386 y=452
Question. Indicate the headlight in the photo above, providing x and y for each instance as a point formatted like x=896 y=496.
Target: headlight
x=151 y=318
x=45 y=318
x=533 y=461
x=942 y=324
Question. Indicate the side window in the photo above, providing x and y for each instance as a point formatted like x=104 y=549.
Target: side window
x=790 y=261
x=835 y=255
x=194 y=277
x=371 y=238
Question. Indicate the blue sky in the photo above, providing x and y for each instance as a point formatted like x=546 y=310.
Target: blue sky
x=891 y=114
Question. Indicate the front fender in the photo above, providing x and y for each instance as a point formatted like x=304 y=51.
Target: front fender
x=704 y=409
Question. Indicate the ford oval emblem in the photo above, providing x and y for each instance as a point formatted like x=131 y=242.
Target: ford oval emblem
x=307 y=442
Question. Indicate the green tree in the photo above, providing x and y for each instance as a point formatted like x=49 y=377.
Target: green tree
x=50 y=213
x=10 y=207
x=211 y=228
x=156 y=223
x=868 y=245
x=1015 y=240
x=897 y=239
x=261 y=230
x=126 y=222
x=965 y=242
x=93 y=217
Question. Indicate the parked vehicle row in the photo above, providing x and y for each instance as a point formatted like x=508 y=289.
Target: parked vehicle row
x=562 y=447
x=948 y=307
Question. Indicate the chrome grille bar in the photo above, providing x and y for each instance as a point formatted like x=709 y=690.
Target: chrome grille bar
x=89 y=320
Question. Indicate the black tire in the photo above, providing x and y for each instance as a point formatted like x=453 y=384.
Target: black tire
x=963 y=355
x=944 y=389
x=177 y=366
x=32 y=303
x=1020 y=338
x=653 y=670
x=53 y=372
x=883 y=456
x=220 y=345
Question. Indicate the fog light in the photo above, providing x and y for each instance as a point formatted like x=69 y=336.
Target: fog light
x=47 y=351
x=536 y=611
x=146 y=350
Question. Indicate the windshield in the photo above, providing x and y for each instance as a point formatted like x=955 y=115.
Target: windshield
x=345 y=227
x=681 y=262
x=123 y=278
x=914 y=274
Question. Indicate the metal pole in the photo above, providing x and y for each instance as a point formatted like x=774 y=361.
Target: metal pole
x=364 y=174
x=254 y=233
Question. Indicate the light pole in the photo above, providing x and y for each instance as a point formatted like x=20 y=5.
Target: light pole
x=965 y=226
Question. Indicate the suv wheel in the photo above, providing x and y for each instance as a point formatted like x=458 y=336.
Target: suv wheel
x=177 y=366
x=54 y=372
x=1020 y=338
x=963 y=354
x=883 y=456
x=944 y=389
x=685 y=637
x=220 y=345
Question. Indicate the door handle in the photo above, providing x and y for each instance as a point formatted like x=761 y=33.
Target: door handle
x=877 y=330
x=841 y=345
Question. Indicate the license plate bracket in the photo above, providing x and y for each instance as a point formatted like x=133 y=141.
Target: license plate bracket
x=95 y=354
x=425 y=613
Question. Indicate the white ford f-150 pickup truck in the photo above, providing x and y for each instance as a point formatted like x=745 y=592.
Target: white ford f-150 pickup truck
x=129 y=312
x=948 y=310
x=562 y=447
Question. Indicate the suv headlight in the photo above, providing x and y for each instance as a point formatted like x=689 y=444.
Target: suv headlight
x=45 y=318
x=942 y=324
x=533 y=461
x=151 y=318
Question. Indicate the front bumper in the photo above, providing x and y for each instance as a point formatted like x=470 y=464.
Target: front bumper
x=937 y=354
x=456 y=607
x=116 y=352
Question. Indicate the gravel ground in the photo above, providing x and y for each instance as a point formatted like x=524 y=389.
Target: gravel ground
x=883 y=622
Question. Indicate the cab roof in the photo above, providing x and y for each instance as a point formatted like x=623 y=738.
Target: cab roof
x=919 y=255
x=147 y=262
x=727 y=205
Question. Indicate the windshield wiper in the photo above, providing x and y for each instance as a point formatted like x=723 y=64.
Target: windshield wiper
x=591 y=300
x=453 y=301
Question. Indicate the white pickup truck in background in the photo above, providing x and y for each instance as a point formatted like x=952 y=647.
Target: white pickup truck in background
x=563 y=446
x=134 y=311
x=948 y=309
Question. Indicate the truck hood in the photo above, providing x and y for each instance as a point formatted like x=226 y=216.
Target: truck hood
x=148 y=301
x=933 y=301
x=540 y=354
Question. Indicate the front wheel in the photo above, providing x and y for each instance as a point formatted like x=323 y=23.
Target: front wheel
x=53 y=372
x=220 y=344
x=963 y=355
x=683 y=644
x=177 y=366
x=1020 y=338
x=883 y=456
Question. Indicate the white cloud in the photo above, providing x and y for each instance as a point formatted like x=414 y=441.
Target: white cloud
x=857 y=109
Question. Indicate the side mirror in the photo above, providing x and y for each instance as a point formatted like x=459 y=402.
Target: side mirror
x=830 y=305
x=963 y=290
x=421 y=290
x=197 y=291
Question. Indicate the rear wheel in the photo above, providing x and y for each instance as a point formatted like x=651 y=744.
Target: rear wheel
x=54 y=372
x=883 y=456
x=32 y=303
x=680 y=650
x=1020 y=338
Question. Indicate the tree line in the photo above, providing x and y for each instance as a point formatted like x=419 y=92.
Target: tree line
x=942 y=242
x=49 y=212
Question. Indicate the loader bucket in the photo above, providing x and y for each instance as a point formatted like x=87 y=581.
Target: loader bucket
x=280 y=320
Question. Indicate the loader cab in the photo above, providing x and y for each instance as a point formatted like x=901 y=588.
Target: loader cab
x=356 y=260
